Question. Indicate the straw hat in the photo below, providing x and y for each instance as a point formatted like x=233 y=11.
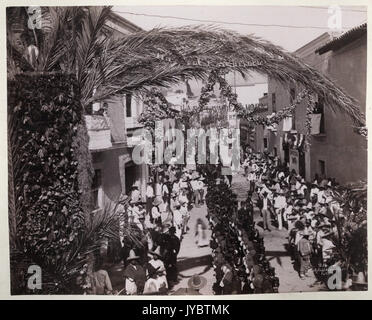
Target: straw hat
x=132 y=256
x=195 y=175
x=156 y=202
x=197 y=282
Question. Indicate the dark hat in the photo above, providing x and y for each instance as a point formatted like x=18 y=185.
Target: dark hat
x=172 y=230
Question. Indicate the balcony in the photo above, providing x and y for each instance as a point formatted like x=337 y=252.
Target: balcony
x=99 y=132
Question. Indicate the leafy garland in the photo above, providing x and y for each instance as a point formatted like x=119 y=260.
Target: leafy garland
x=309 y=111
x=160 y=109
x=235 y=240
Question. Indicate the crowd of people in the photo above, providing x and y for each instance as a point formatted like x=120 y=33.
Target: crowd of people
x=238 y=250
x=160 y=221
x=307 y=210
x=309 y=213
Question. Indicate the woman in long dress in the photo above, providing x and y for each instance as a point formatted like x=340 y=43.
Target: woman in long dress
x=200 y=233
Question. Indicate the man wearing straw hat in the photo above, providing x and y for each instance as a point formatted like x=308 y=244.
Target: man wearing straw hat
x=178 y=220
x=157 y=264
x=305 y=250
x=155 y=211
x=195 y=283
x=135 y=195
x=280 y=205
x=134 y=275
x=149 y=197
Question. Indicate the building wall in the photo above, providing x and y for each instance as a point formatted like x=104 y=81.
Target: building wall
x=344 y=151
x=113 y=165
x=115 y=162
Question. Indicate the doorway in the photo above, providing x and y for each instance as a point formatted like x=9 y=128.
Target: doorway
x=302 y=164
x=130 y=176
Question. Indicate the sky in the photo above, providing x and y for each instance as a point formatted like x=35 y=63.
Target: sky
x=289 y=38
x=299 y=21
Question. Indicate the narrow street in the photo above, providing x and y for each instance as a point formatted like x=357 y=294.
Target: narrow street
x=276 y=243
x=193 y=260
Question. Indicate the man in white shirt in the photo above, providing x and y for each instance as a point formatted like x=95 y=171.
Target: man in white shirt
x=195 y=188
x=155 y=211
x=183 y=182
x=321 y=196
x=265 y=211
x=302 y=188
x=178 y=220
x=314 y=190
x=264 y=189
x=135 y=194
x=176 y=187
x=201 y=189
x=280 y=204
x=252 y=180
x=149 y=197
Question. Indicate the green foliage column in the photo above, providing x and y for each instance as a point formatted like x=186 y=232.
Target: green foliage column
x=47 y=123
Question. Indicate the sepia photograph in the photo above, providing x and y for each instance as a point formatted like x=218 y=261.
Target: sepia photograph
x=181 y=150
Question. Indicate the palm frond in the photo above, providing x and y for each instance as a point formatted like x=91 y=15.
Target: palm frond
x=89 y=43
x=53 y=46
x=161 y=57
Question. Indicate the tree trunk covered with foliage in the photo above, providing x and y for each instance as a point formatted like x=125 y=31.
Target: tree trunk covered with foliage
x=45 y=114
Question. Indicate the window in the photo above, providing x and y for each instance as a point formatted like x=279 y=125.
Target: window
x=128 y=105
x=322 y=168
x=273 y=102
x=319 y=109
x=275 y=152
x=97 y=189
x=265 y=143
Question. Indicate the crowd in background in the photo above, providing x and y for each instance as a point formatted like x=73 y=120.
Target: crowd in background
x=309 y=213
x=238 y=251
x=160 y=220
x=307 y=210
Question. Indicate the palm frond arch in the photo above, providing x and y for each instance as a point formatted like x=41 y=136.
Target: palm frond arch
x=193 y=52
x=77 y=41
